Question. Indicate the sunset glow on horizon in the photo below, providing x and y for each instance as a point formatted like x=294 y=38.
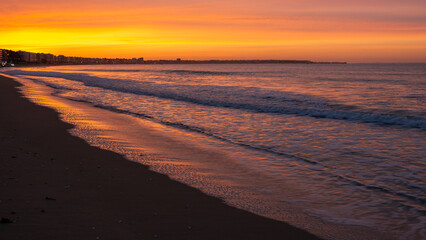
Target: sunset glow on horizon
x=329 y=30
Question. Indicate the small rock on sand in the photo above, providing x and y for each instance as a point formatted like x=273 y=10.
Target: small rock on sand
x=5 y=220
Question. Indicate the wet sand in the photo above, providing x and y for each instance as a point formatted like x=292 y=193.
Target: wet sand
x=56 y=186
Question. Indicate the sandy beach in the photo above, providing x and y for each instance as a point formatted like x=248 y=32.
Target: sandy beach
x=56 y=186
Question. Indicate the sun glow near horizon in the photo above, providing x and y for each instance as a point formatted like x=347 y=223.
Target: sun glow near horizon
x=356 y=31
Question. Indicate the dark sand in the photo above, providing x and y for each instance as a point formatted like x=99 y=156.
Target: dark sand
x=56 y=186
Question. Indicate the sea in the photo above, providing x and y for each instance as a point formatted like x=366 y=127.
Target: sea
x=336 y=149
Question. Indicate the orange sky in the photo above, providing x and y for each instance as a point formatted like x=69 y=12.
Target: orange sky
x=326 y=30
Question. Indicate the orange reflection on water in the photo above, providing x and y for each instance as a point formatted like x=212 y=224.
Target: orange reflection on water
x=42 y=95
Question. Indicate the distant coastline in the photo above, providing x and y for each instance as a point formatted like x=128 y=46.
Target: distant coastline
x=237 y=62
x=23 y=58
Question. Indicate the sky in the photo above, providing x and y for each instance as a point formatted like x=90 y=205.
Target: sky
x=318 y=30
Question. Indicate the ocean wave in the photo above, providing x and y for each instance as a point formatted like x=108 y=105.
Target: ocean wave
x=245 y=98
x=180 y=72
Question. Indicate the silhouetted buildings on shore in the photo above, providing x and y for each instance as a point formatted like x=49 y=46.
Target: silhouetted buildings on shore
x=7 y=56
x=10 y=58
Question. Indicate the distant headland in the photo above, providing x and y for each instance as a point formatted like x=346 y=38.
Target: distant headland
x=23 y=58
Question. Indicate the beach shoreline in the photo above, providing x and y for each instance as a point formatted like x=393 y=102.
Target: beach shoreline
x=55 y=185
